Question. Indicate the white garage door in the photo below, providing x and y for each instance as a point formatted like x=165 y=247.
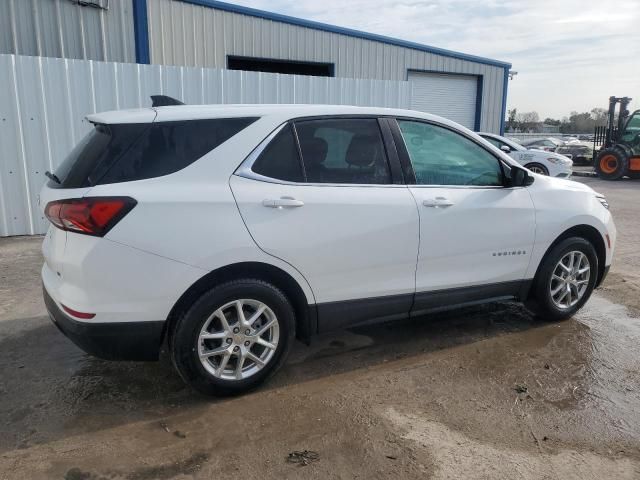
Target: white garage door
x=450 y=96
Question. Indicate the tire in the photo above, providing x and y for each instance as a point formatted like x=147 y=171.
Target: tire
x=207 y=376
x=537 y=168
x=542 y=301
x=612 y=163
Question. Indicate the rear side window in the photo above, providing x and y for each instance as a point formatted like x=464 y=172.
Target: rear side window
x=127 y=152
x=343 y=151
x=280 y=158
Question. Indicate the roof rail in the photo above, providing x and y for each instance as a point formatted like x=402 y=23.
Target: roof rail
x=164 y=100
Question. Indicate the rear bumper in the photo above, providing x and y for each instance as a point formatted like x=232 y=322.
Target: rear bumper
x=112 y=340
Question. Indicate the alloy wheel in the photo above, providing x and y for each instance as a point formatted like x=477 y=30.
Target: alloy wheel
x=570 y=279
x=238 y=339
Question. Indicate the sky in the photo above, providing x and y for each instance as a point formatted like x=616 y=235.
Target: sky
x=570 y=55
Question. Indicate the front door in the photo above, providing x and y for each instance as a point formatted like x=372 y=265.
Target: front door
x=336 y=216
x=476 y=235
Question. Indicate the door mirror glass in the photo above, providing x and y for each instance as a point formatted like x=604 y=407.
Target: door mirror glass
x=505 y=149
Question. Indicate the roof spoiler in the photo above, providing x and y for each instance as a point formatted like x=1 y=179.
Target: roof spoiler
x=164 y=101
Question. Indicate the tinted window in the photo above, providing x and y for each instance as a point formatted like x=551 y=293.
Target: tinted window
x=343 y=151
x=442 y=157
x=280 y=158
x=125 y=152
x=102 y=143
x=167 y=147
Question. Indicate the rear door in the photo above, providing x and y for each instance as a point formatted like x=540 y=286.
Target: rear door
x=322 y=195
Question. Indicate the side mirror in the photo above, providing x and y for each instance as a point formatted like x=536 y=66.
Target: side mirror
x=520 y=177
x=505 y=149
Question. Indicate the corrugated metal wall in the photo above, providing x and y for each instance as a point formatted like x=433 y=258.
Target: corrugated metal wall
x=43 y=102
x=65 y=29
x=186 y=34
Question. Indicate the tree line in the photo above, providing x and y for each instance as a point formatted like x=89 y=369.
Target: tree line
x=575 y=123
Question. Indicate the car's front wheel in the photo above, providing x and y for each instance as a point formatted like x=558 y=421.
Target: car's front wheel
x=233 y=337
x=565 y=279
x=537 y=168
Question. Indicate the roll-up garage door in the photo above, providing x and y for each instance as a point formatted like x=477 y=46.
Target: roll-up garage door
x=450 y=96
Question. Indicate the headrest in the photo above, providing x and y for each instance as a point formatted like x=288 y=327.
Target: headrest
x=362 y=151
x=314 y=150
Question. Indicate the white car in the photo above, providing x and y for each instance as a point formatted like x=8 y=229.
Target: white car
x=220 y=233
x=538 y=161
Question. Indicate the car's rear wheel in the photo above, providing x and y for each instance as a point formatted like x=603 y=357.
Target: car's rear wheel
x=537 y=168
x=233 y=337
x=565 y=279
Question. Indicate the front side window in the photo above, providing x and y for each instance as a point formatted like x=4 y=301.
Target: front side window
x=343 y=151
x=440 y=156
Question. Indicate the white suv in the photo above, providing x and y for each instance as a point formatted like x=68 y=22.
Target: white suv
x=222 y=232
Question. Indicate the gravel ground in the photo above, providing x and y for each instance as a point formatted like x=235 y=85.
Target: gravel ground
x=484 y=392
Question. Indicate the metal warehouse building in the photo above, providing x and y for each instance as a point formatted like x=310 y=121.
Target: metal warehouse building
x=205 y=33
x=61 y=60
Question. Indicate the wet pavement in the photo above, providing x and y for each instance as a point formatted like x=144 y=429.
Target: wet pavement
x=486 y=392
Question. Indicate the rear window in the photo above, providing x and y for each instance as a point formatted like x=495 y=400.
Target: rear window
x=125 y=152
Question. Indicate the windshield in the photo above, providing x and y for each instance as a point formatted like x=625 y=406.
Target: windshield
x=632 y=128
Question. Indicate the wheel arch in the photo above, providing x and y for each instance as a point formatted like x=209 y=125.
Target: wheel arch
x=306 y=316
x=589 y=233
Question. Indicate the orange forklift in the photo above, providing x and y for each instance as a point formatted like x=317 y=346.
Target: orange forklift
x=620 y=152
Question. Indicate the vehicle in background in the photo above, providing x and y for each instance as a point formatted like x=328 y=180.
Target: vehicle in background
x=579 y=152
x=547 y=144
x=538 y=161
x=620 y=152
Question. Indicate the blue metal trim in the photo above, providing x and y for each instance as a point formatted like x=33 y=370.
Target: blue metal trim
x=478 y=112
x=478 y=104
x=504 y=100
x=141 y=31
x=277 y=17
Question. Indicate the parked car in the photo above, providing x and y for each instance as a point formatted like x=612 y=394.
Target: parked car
x=547 y=144
x=538 y=161
x=224 y=232
x=577 y=151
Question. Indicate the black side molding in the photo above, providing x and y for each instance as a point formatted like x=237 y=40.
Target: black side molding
x=164 y=101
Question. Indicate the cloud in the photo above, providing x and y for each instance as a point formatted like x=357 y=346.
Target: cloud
x=569 y=54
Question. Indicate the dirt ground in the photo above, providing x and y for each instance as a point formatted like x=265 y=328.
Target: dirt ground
x=480 y=393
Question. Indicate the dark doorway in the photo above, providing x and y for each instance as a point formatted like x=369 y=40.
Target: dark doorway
x=280 y=66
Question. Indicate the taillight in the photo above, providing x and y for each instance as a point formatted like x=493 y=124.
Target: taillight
x=90 y=215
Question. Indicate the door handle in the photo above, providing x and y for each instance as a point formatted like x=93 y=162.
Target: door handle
x=282 y=202
x=438 y=202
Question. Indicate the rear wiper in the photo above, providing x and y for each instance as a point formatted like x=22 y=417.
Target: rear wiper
x=53 y=177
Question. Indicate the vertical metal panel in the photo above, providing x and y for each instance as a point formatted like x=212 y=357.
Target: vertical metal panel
x=175 y=42
x=44 y=103
x=60 y=28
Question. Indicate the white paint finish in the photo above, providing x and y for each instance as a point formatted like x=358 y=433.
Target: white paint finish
x=348 y=241
x=561 y=204
x=458 y=242
x=116 y=282
x=229 y=33
x=450 y=96
x=45 y=101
